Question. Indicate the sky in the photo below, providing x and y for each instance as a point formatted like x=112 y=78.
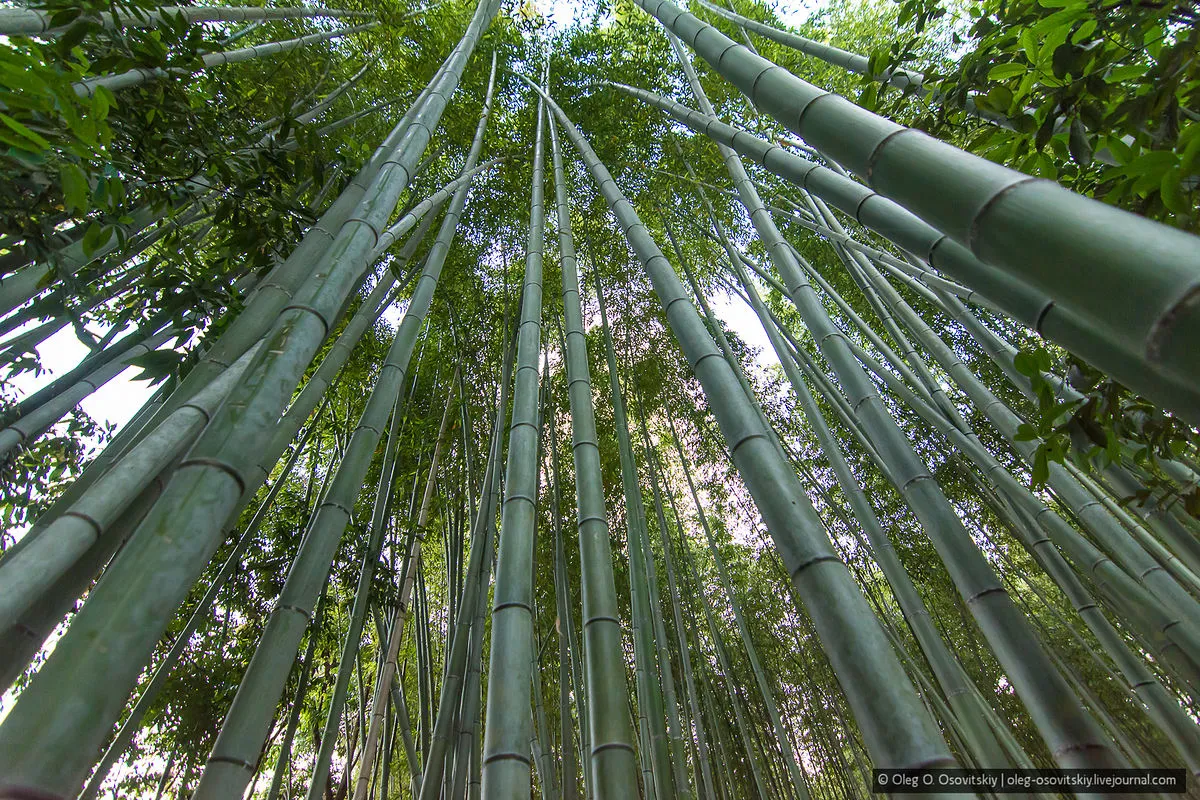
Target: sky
x=118 y=400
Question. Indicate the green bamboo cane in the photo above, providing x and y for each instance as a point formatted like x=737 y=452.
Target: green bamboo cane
x=857 y=264
x=564 y=628
x=401 y=613
x=739 y=712
x=797 y=778
x=1152 y=697
x=1144 y=536
x=1181 y=541
x=567 y=622
x=26 y=576
x=102 y=355
x=1134 y=602
x=28 y=282
x=474 y=586
x=140 y=75
x=851 y=62
x=30 y=22
x=822 y=579
x=1165 y=711
x=650 y=700
x=506 y=760
x=37 y=623
x=701 y=742
x=40 y=748
x=234 y=756
x=1072 y=735
x=914 y=271
x=1025 y=302
x=31 y=426
x=542 y=728
x=949 y=673
x=462 y=663
x=132 y=722
x=662 y=644
x=1041 y=234
x=609 y=741
x=546 y=767
x=1105 y=527
x=724 y=760
x=285 y=747
x=358 y=614
x=467 y=769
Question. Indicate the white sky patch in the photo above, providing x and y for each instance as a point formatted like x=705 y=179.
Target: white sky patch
x=741 y=319
x=114 y=402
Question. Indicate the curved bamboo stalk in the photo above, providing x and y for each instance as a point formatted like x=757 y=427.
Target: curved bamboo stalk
x=1034 y=231
x=1073 y=737
x=285 y=746
x=279 y=287
x=140 y=75
x=32 y=22
x=1065 y=729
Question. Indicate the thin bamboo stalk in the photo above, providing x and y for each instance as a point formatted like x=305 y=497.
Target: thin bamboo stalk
x=609 y=740
x=506 y=760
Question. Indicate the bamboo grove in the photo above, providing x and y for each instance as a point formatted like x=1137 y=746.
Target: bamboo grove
x=672 y=404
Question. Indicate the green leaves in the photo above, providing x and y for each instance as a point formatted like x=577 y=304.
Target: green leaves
x=1081 y=147
x=27 y=136
x=75 y=187
x=1002 y=72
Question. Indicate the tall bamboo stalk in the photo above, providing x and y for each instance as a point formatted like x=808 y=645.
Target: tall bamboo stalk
x=650 y=700
x=611 y=759
x=898 y=730
x=506 y=760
